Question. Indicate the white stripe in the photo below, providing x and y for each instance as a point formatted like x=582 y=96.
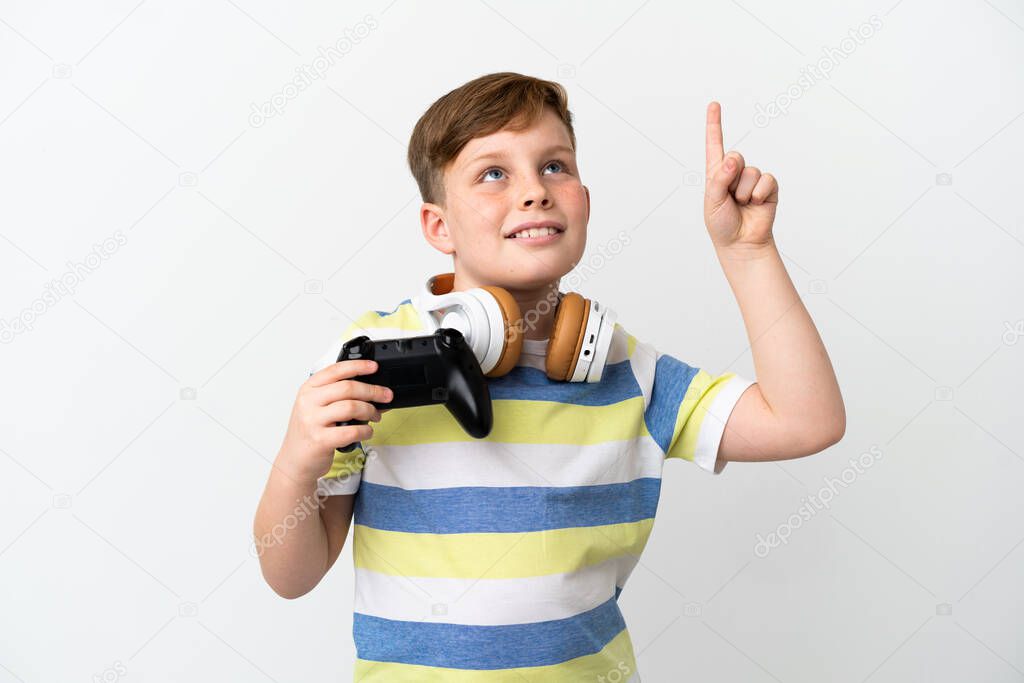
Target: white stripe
x=713 y=425
x=489 y=463
x=488 y=602
x=339 y=486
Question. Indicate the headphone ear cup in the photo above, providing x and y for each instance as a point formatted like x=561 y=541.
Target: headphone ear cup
x=567 y=336
x=513 y=331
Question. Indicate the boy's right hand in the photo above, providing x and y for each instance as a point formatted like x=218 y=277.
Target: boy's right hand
x=329 y=396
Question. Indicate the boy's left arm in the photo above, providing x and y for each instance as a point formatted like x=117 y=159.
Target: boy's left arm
x=795 y=407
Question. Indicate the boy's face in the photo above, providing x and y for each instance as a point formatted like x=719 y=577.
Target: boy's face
x=496 y=183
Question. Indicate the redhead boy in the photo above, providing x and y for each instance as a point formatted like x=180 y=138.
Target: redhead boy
x=503 y=558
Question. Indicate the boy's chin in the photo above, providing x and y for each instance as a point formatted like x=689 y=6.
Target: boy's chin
x=533 y=278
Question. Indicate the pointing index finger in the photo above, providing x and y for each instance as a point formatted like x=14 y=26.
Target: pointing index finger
x=713 y=141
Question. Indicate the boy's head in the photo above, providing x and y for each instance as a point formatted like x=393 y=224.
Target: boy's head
x=488 y=156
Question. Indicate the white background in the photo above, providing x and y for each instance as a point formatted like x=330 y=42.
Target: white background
x=141 y=412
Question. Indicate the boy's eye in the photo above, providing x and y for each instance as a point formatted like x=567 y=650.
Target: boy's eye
x=487 y=177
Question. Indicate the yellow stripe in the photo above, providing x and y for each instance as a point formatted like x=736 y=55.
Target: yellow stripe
x=692 y=410
x=405 y=317
x=550 y=423
x=346 y=464
x=614 y=662
x=498 y=555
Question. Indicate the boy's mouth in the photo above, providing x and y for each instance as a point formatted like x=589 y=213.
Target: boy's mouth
x=536 y=231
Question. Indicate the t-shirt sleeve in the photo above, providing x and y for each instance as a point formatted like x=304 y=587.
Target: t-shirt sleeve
x=346 y=469
x=688 y=409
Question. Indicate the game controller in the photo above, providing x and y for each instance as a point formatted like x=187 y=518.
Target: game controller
x=425 y=370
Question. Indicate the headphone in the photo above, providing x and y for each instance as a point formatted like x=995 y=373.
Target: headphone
x=489 y=319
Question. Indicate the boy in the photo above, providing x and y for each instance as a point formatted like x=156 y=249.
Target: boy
x=502 y=558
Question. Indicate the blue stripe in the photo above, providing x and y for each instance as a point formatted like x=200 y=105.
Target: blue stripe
x=455 y=646
x=404 y=301
x=523 y=382
x=511 y=509
x=671 y=379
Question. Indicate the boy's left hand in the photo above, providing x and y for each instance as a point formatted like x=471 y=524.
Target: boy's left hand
x=739 y=200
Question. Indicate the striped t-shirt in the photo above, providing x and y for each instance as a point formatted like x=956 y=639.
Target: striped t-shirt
x=502 y=558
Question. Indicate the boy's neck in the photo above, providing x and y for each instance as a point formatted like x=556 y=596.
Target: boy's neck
x=536 y=305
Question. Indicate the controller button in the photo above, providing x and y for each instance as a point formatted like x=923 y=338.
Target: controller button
x=450 y=337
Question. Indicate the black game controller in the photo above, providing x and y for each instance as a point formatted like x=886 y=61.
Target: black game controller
x=420 y=371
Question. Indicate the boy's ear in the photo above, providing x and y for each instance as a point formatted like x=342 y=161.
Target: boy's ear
x=435 y=228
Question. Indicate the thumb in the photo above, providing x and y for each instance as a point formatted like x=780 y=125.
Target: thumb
x=718 y=184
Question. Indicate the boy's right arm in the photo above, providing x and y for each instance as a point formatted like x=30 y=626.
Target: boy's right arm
x=297 y=541
x=337 y=517
x=297 y=537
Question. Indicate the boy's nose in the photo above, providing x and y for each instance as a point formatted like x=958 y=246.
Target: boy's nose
x=534 y=193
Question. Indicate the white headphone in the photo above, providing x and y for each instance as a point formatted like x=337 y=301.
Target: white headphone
x=489 y=319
